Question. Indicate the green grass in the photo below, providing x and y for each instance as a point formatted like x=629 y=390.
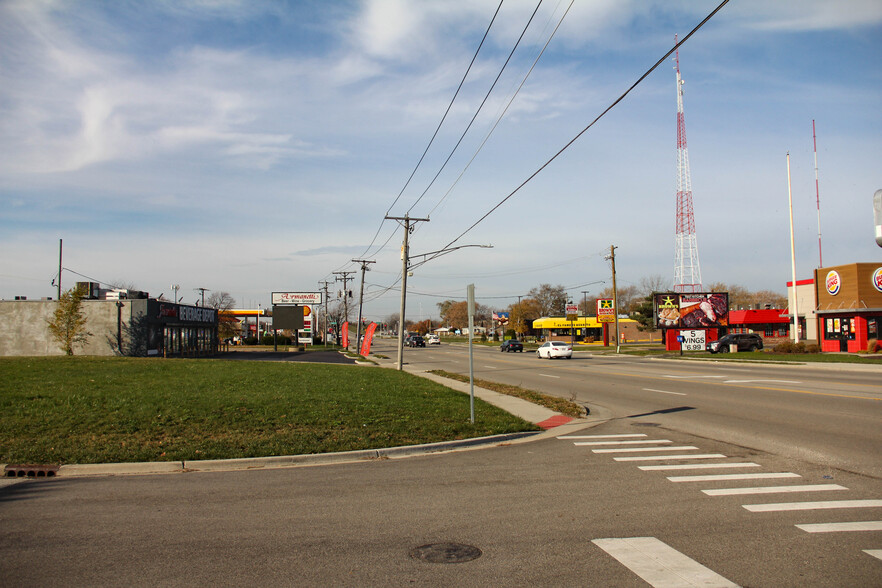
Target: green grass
x=104 y=410
x=556 y=404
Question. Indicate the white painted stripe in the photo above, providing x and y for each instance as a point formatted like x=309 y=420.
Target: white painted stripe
x=644 y=441
x=491 y=367
x=670 y=457
x=782 y=506
x=638 y=449
x=721 y=477
x=659 y=564
x=692 y=377
x=774 y=489
x=602 y=436
x=664 y=392
x=841 y=527
x=877 y=553
x=549 y=376
x=699 y=466
x=764 y=381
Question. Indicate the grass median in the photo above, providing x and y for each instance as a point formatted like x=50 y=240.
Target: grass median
x=105 y=410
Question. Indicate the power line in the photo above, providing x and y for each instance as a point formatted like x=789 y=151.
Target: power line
x=480 y=107
x=437 y=129
x=583 y=131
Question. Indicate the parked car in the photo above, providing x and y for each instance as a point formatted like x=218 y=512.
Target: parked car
x=744 y=341
x=433 y=339
x=552 y=349
x=415 y=341
x=511 y=345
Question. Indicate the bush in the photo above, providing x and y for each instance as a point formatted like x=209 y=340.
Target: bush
x=801 y=347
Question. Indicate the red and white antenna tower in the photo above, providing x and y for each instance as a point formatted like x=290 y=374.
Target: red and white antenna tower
x=687 y=271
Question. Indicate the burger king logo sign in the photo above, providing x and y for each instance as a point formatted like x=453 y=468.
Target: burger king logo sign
x=834 y=283
x=877 y=279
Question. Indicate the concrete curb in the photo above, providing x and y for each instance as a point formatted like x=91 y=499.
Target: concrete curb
x=286 y=461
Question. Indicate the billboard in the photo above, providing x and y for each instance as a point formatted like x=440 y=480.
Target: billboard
x=696 y=310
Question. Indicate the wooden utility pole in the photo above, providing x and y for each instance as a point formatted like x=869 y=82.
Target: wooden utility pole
x=345 y=279
x=612 y=258
x=405 y=221
x=364 y=267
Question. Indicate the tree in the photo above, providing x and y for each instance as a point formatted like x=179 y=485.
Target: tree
x=654 y=283
x=227 y=326
x=522 y=314
x=456 y=314
x=644 y=313
x=68 y=325
x=626 y=297
x=552 y=300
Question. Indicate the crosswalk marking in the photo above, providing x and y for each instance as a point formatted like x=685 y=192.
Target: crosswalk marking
x=841 y=527
x=659 y=564
x=774 y=489
x=877 y=553
x=602 y=436
x=782 y=506
x=638 y=449
x=671 y=457
x=644 y=441
x=698 y=466
x=720 y=477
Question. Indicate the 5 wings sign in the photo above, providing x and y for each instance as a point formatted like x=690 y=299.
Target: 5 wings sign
x=704 y=310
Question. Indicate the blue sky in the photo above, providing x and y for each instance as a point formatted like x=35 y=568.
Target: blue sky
x=253 y=147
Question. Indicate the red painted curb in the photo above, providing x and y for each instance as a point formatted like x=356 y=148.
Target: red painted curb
x=555 y=421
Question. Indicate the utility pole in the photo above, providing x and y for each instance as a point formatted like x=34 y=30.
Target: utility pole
x=612 y=258
x=364 y=267
x=202 y=290
x=405 y=252
x=59 y=269
x=325 y=333
x=345 y=279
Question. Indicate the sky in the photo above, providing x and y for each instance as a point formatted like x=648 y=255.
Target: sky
x=257 y=146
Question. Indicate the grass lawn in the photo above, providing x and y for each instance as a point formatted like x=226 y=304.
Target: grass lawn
x=62 y=410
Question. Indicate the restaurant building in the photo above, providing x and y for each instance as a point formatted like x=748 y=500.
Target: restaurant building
x=849 y=306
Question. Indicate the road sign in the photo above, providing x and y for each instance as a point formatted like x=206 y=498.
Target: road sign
x=572 y=312
x=297 y=297
x=606 y=310
x=692 y=340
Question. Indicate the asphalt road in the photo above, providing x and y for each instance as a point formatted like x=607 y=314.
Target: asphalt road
x=572 y=509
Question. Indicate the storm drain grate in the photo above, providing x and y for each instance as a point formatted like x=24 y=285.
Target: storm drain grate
x=30 y=471
x=446 y=553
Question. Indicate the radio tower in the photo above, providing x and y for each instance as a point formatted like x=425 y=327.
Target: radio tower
x=687 y=272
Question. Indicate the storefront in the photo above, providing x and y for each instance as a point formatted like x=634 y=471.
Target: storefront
x=849 y=306
x=772 y=324
x=176 y=330
x=588 y=329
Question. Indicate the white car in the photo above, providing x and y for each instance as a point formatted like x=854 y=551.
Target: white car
x=553 y=349
x=433 y=340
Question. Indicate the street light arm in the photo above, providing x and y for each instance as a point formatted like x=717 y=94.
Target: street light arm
x=441 y=252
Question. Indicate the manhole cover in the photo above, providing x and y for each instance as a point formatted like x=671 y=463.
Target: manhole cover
x=446 y=553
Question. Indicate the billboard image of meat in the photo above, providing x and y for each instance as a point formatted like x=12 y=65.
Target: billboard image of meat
x=698 y=310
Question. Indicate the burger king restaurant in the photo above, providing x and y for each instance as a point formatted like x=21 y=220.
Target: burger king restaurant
x=849 y=306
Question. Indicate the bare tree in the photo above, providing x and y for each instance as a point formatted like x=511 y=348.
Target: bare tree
x=552 y=300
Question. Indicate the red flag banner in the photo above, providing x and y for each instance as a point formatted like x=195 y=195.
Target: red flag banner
x=345 y=332
x=368 y=338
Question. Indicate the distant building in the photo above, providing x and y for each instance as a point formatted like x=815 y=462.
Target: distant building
x=137 y=326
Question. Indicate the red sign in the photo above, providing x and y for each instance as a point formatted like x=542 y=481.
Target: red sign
x=368 y=337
